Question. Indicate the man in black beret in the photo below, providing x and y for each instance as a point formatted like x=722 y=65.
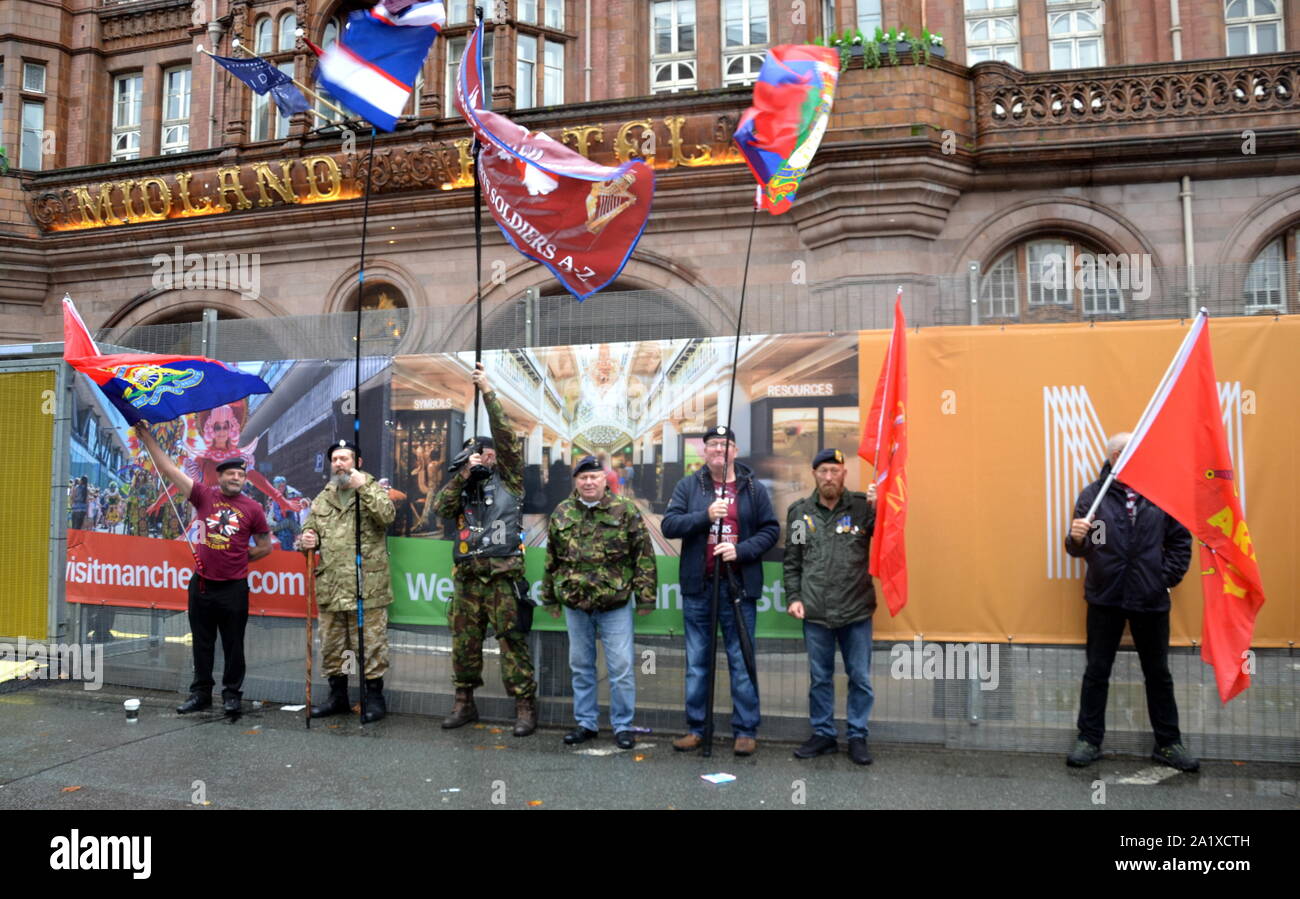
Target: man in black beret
x=828 y=587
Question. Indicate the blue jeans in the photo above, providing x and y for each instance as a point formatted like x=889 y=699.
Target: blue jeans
x=744 y=695
x=855 y=646
x=615 y=630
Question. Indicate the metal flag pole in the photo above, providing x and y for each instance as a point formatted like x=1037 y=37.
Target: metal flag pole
x=356 y=432
x=746 y=646
x=477 y=151
x=310 y=556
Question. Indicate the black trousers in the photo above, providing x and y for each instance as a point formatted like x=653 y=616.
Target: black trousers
x=218 y=607
x=1150 y=632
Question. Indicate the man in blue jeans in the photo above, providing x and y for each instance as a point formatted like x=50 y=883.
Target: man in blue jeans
x=828 y=587
x=727 y=492
x=600 y=563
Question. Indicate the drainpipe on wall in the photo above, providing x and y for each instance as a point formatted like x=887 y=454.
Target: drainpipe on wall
x=1189 y=246
x=215 y=30
x=1175 y=30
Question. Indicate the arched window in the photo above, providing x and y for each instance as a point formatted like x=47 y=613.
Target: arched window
x=329 y=37
x=288 y=25
x=262 y=35
x=1054 y=278
x=1272 y=274
x=1254 y=26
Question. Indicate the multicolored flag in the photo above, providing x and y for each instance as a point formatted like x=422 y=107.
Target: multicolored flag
x=144 y=386
x=580 y=219
x=262 y=77
x=373 y=65
x=1178 y=458
x=884 y=445
x=781 y=131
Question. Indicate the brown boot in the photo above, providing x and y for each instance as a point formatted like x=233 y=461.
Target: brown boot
x=525 y=716
x=463 y=711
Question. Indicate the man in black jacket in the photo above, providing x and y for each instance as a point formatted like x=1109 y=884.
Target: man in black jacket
x=727 y=492
x=1135 y=553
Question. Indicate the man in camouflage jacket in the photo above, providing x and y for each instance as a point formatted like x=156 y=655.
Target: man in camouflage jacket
x=331 y=526
x=598 y=559
x=485 y=498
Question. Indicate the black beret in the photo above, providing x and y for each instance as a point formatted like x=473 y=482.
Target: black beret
x=237 y=462
x=719 y=431
x=345 y=445
x=480 y=441
x=828 y=455
x=589 y=463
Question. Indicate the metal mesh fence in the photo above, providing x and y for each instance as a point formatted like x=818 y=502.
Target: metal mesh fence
x=1034 y=705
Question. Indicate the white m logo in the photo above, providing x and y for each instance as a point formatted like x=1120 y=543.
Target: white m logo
x=1074 y=447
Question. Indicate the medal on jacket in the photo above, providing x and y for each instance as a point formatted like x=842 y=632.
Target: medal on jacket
x=845 y=525
x=808 y=520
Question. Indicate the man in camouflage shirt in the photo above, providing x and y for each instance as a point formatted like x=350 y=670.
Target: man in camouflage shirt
x=331 y=526
x=598 y=559
x=485 y=497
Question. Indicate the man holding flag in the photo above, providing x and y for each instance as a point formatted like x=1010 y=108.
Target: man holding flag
x=218 y=592
x=1135 y=554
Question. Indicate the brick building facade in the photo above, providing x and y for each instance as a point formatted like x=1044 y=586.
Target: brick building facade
x=1163 y=129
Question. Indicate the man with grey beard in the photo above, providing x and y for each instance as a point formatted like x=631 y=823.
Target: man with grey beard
x=331 y=526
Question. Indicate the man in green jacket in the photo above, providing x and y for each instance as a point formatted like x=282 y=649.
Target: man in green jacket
x=331 y=526
x=828 y=587
x=599 y=564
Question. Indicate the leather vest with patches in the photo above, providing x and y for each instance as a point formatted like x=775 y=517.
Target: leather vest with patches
x=492 y=523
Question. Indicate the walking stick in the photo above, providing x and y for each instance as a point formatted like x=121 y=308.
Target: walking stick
x=310 y=556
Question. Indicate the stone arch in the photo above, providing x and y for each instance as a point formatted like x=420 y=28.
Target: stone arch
x=155 y=304
x=646 y=271
x=1076 y=216
x=1259 y=225
x=336 y=297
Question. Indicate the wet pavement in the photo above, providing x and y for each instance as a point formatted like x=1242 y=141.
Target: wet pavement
x=65 y=748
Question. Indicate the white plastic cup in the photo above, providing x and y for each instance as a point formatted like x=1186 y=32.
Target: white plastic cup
x=132 y=707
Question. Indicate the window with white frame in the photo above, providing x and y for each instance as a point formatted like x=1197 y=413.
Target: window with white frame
x=553 y=74
x=34 y=77
x=525 y=71
x=1000 y=289
x=288 y=25
x=455 y=50
x=549 y=13
x=869 y=18
x=1075 y=39
x=1265 y=286
x=31 y=145
x=262 y=35
x=1254 y=26
x=176 y=111
x=744 y=40
x=828 y=18
x=458 y=11
x=128 y=92
x=992 y=31
x=329 y=37
x=672 y=46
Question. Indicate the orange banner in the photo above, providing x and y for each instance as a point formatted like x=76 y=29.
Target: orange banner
x=145 y=573
x=1007 y=425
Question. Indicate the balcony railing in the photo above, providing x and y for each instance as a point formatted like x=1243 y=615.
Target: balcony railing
x=1007 y=98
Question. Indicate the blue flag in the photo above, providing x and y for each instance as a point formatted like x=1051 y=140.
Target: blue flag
x=261 y=76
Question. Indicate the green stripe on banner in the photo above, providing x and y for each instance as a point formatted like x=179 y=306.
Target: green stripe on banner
x=423 y=586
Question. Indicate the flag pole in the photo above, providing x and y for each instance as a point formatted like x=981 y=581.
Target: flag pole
x=746 y=647
x=310 y=556
x=1140 y=428
x=356 y=430
x=477 y=151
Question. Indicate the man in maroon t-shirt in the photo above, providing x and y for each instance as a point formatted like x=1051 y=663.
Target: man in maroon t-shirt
x=218 y=591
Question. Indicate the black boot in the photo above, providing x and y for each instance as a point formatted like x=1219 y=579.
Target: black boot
x=373 y=707
x=337 y=704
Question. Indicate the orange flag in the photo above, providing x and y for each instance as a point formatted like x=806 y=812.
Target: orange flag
x=884 y=445
x=1178 y=458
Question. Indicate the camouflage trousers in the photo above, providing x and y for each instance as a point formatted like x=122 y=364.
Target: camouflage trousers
x=476 y=606
x=338 y=633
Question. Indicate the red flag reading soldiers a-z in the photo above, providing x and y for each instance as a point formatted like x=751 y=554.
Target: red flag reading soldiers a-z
x=1178 y=458
x=884 y=445
x=580 y=219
